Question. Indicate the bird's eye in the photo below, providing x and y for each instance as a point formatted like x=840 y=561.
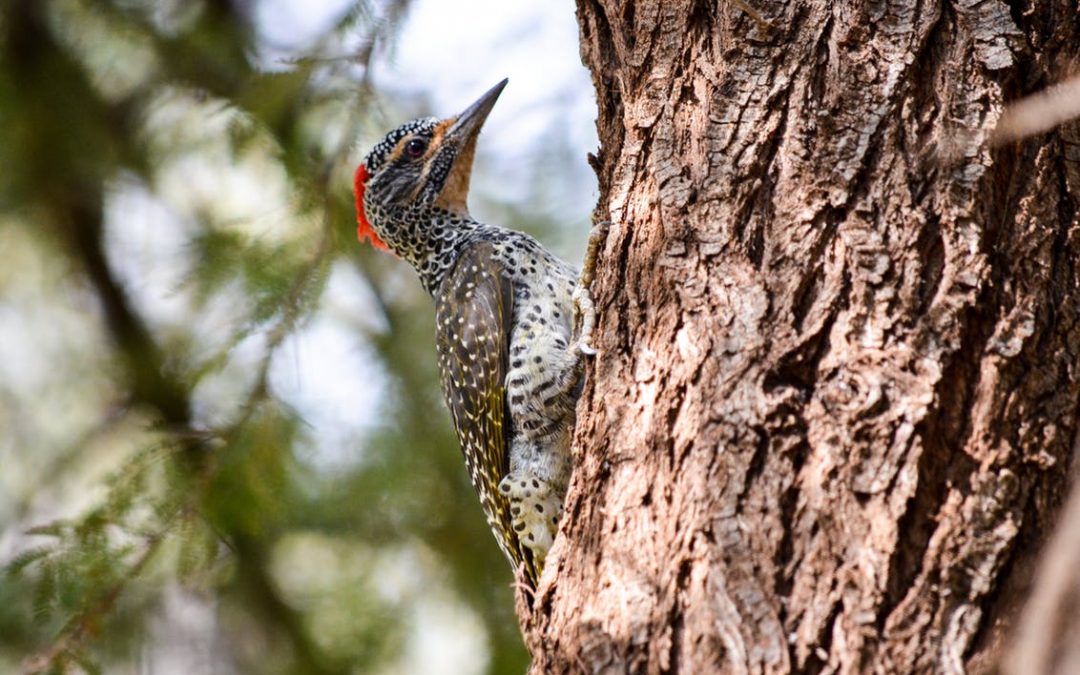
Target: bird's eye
x=415 y=147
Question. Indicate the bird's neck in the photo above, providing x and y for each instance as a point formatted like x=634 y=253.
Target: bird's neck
x=428 y=238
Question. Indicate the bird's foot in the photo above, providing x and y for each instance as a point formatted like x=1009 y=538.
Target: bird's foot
x=583 y=301
x=535 y=510
x=586 y=311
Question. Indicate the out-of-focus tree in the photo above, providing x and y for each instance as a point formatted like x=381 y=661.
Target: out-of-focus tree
x=157 y=495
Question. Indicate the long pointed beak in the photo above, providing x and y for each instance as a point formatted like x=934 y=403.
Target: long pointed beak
x=469 y=122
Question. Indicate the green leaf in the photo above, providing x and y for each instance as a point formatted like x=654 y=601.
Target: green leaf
x=27 y=558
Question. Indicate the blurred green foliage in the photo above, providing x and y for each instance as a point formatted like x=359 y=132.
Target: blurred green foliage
x=146 y=453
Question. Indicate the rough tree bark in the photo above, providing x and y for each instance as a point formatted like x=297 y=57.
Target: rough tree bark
x=832 y=418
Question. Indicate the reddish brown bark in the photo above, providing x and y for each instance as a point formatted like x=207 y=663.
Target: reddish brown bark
x=832 y=416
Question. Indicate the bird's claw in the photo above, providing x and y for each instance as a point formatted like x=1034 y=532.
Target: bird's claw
x=583 y=305
x=583 y=302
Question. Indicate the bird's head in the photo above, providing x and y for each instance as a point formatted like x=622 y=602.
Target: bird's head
x=421 y=165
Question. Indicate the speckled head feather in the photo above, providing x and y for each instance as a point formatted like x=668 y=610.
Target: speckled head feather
x=412 y=188
x=375 y=159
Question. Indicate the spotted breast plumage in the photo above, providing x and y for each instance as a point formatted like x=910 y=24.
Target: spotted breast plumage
x=512 y=324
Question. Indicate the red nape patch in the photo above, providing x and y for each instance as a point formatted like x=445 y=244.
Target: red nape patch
x=363 y=228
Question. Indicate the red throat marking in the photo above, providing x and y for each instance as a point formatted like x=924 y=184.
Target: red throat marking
x=364 y=229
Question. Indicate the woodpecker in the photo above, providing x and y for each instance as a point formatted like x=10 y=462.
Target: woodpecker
x=513 y=324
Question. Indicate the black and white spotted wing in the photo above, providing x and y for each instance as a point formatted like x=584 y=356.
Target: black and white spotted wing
x=473 y=320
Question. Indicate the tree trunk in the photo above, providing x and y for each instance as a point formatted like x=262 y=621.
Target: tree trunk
x=833 y=413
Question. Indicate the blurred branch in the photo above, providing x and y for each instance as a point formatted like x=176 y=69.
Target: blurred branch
x=154 y=386
x=91 y=618
x=1039 y=112
x=1046 y=639
x=151 y=384
x=76 y=204
x=253 y=572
